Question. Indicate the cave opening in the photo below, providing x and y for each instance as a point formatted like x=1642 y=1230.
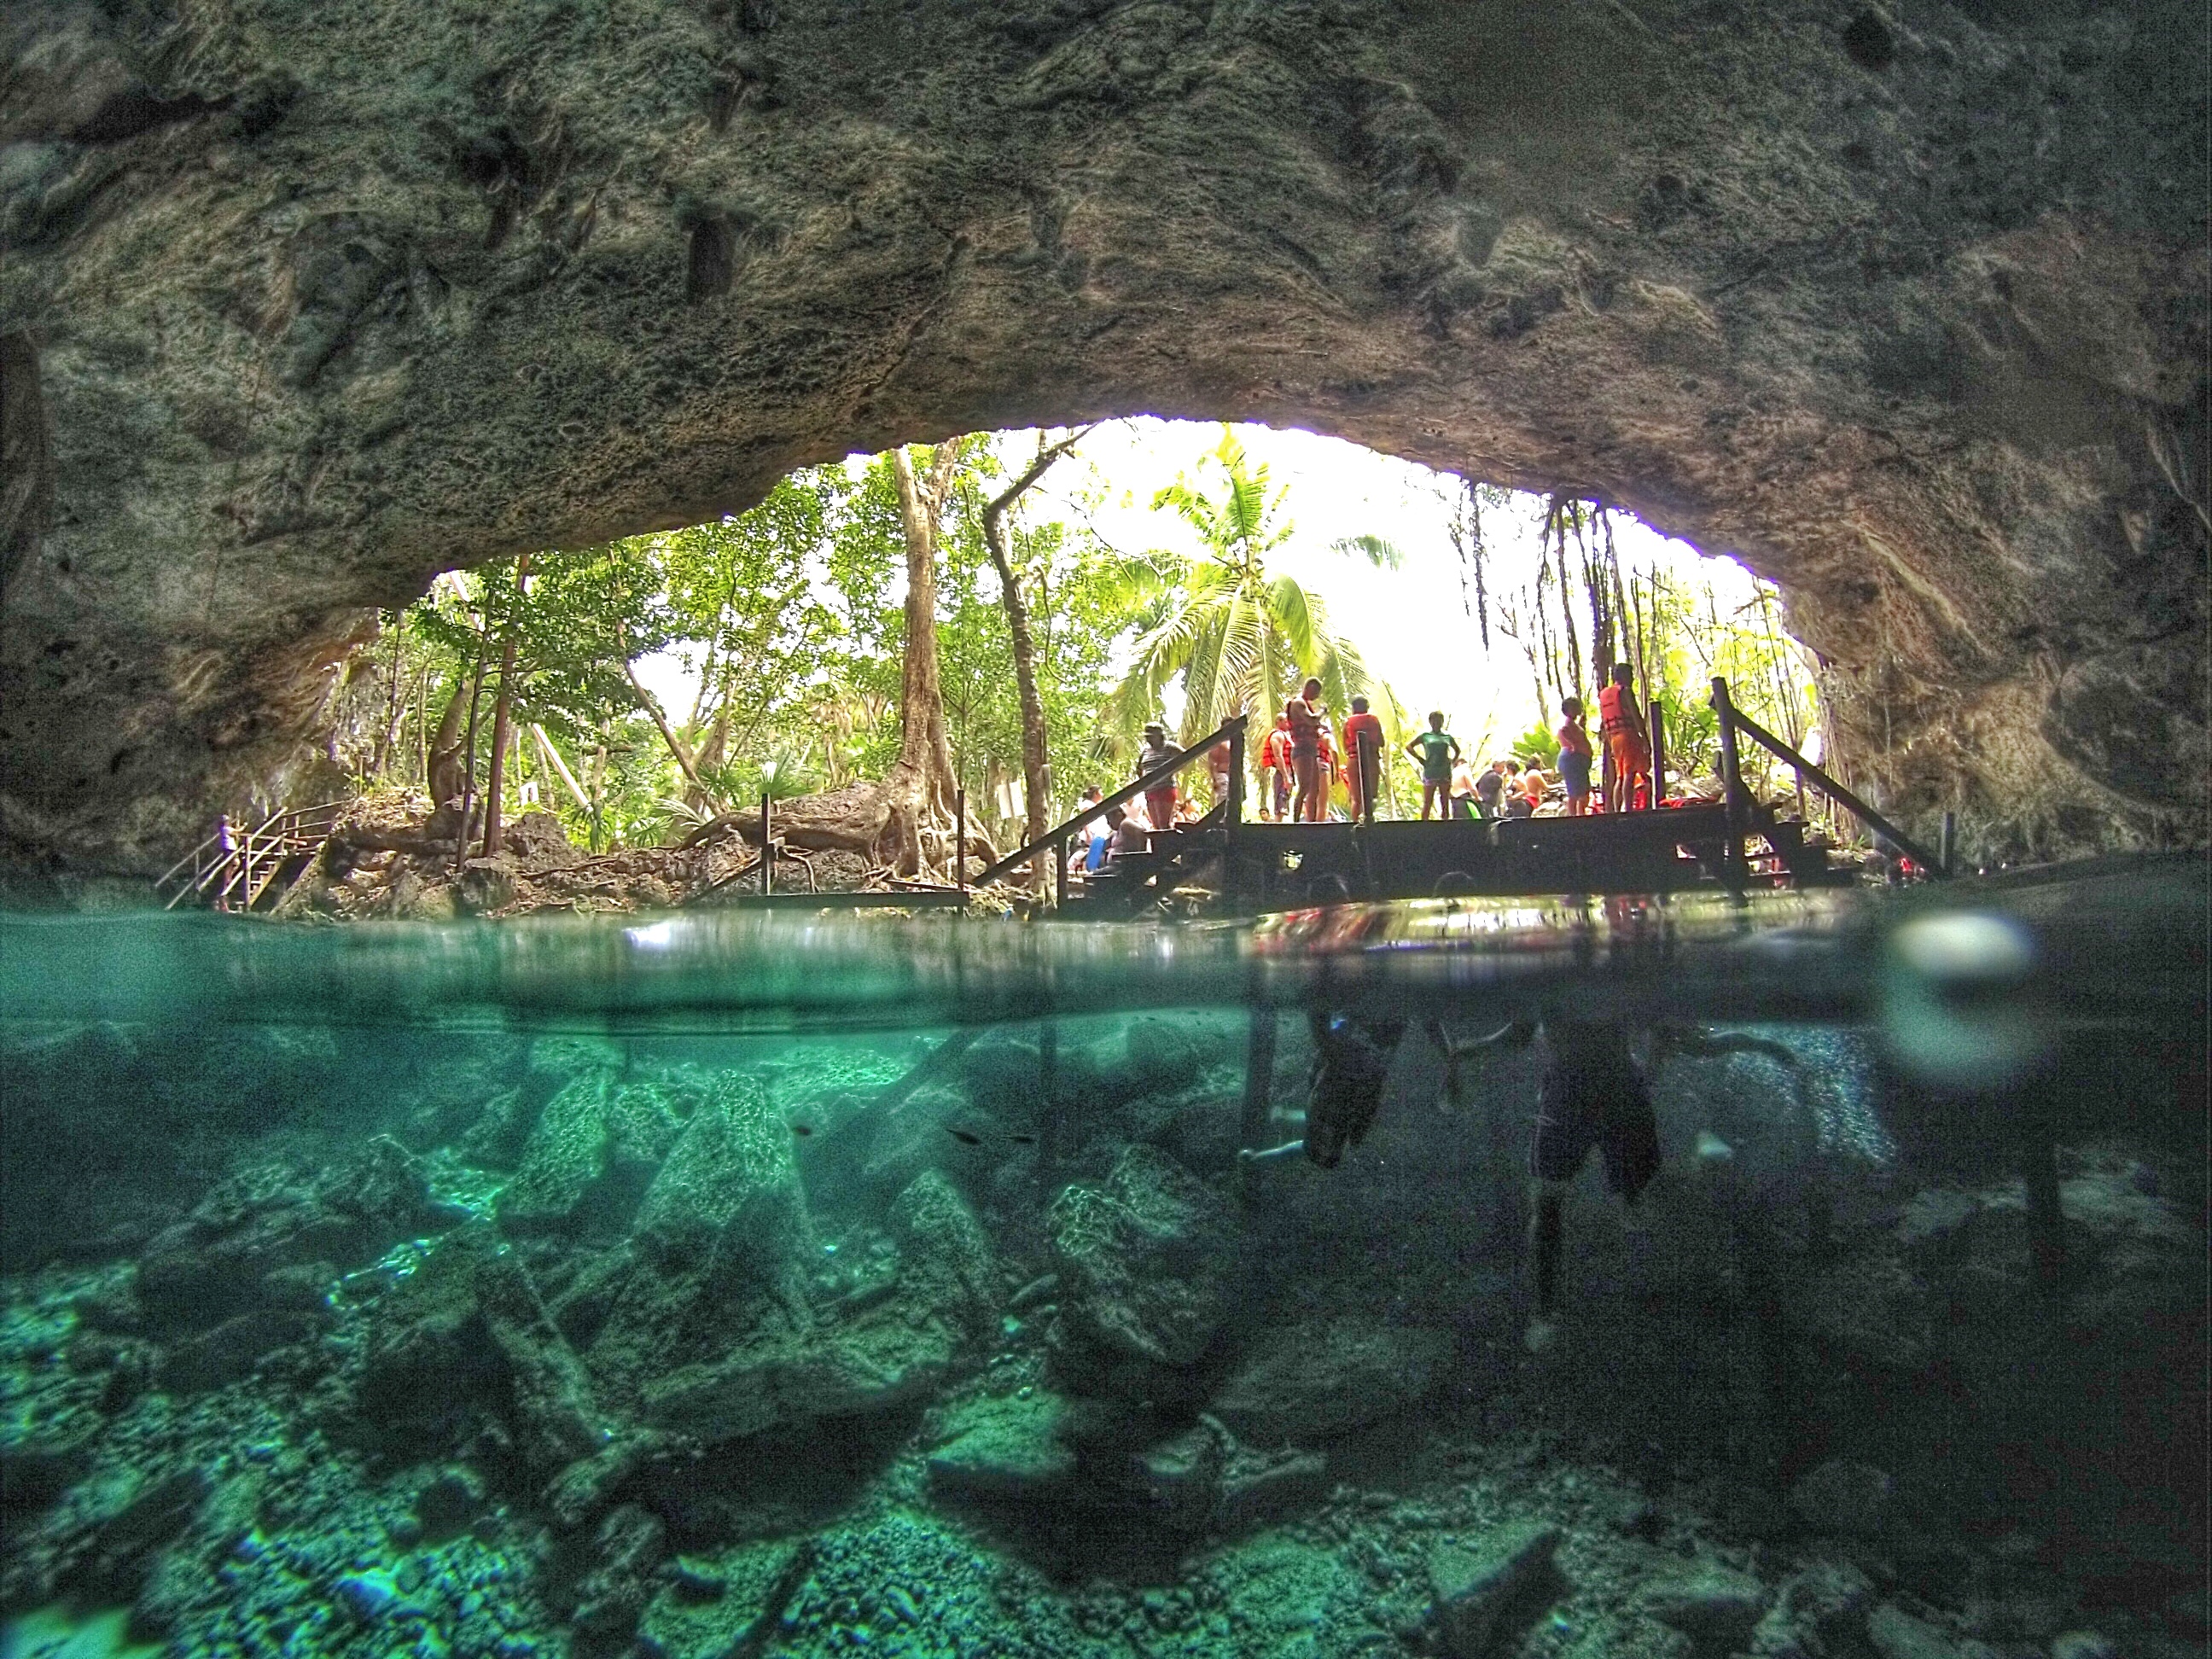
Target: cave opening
x=638 y=691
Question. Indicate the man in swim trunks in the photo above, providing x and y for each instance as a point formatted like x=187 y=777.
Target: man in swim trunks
x=1363 y=742
x=1624 y=734
x=1307 y=717
x=1592 y=1095
x=1437 y=749
x=1575 y=757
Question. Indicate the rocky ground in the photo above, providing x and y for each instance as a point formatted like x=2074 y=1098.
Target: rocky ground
x=382 y=865
x=361 y=1342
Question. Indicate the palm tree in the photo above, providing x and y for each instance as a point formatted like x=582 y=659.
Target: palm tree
x=1239 y=638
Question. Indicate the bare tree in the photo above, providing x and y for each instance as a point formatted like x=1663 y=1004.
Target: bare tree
x=1036 y=769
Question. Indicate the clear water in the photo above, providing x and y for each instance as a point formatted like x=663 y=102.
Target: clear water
x=762 y=1285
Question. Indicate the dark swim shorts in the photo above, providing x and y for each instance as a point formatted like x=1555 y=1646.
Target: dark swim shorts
x=1352 y=1063
x=1574 y=771
x=1579 y=1107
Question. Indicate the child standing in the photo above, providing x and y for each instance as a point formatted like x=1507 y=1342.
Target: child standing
x=1575 y=757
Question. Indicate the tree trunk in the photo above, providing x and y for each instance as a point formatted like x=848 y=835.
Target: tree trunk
x=443 y=763
x=920 y=789
x=496 y=784
x=1036 y=767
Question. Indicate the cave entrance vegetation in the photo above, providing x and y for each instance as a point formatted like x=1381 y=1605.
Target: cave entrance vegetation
x=1906 y=306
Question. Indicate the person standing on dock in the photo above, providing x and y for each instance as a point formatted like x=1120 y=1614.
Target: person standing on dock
x=1363 y=746
x=1574 y=757
x=1437 y=749
x=1160 y=798
x=1626 y=738
x=1306 y=718
x=1275 y=770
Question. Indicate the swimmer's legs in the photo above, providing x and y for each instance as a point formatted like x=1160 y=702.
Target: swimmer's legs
x=1547 y=1238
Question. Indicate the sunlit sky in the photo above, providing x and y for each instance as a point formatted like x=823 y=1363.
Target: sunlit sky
x=1409 y=623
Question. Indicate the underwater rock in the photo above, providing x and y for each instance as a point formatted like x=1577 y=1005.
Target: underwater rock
x=729 y=1201
x=1006 y=1449
x=1819 y=1613
x=1000 y=1073
x=233 y=1253
x=1716 y=1608
x=1145 y=1260
x=756 y=1581
x=127 y=1523
x=1897 y=1634
x=1255 y=1490
x=428 y=1360
x=213 y=1359
x=565 y=1158
x=1480 y=1597
x=368 y=1597
x=889 y=1352
x=1845 y=1498
x=1161 y=1056
x=1322 y=1377
x=947 y=1268
x=2079 y=1644
x=627 y=1551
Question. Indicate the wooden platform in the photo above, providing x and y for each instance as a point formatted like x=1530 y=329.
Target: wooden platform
x=1269 y=865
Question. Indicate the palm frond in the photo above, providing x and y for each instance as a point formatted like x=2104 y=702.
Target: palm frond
x=1292 y=611
x=1382 y=554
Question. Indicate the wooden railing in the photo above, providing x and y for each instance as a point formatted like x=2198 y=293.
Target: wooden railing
x=1056 y=839
x=1740 y=808
x=232 y=869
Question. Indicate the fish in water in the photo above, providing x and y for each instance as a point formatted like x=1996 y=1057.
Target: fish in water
x=802 y=1128
x=969 y=1138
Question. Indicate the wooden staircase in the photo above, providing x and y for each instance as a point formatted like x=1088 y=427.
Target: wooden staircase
x=1172 y=858
x=237 y=869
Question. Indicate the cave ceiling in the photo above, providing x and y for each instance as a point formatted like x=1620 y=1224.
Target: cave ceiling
x=1904 y=306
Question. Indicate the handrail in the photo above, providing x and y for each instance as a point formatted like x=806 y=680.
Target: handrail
x=1836 y=792
x=1166 y=769
x=275 y=838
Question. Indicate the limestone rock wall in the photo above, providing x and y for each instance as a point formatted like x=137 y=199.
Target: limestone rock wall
x=1905 y=305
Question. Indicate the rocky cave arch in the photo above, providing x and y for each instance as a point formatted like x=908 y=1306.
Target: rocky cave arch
x=1905 y=304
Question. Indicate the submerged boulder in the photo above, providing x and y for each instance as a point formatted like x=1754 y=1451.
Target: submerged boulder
x=729 y=1201
x=1716 y=1608
x=1322 y=1378
x=1146 y=1260
x=786 y=1363
x=1482 y=1595
x=277 y=1237
x=1006 y=1449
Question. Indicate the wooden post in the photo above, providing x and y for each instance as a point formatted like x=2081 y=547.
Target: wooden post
x=1731 y=788
x=1059 y=876
x=960 y=839
x=1234 y=817
x=1949 y=847
x=1658 y=717
x=1049 y=1153
x=768 y=845
x=1258 y=1077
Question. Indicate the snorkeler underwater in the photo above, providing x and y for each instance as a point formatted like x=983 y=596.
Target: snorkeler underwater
x=1651 y=1280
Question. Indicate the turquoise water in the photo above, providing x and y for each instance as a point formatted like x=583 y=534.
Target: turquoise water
x=771 y=1285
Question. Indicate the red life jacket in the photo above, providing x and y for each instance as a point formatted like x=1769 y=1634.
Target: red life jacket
x=1613 y=718
x=1305 y=724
